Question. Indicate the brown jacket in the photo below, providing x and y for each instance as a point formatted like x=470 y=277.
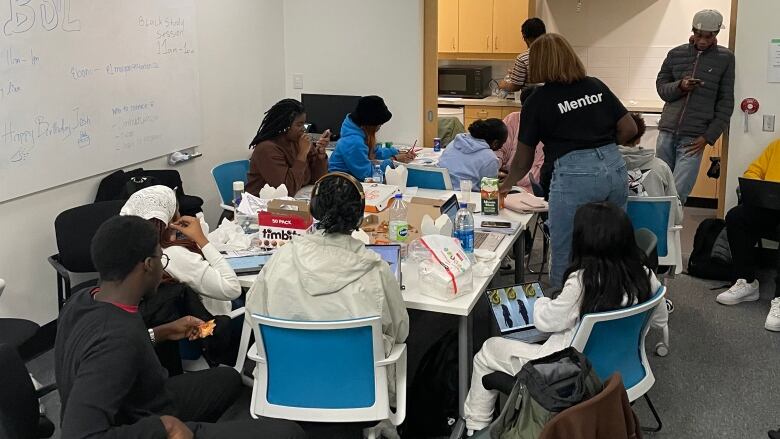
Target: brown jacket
x=275 y=162
x=607 y=415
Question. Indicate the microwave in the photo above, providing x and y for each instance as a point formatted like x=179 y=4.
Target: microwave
x=465 y=81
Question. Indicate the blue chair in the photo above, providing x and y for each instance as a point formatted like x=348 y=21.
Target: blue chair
x=325 y=371
x=655 y=214
x=224 y=175
x=614 y=341
x=428 y=177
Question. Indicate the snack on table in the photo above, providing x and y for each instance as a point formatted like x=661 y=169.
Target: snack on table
x=206 y=329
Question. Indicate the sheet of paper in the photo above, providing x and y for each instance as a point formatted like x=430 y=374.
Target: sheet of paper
x=773 y=63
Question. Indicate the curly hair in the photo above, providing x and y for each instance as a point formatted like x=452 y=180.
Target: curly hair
x=338 y=206
x=121 y=243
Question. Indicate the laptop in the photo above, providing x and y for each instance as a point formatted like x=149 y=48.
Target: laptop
x=482 y=240
x=513 y=311
x=392 y=255
x=760 y=193
x=248 y=264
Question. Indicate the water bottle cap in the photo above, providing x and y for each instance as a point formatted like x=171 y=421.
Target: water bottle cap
x=464 y=205
x=398 y=196
x=238 y=185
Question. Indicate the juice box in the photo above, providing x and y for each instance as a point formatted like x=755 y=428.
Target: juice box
x=489 y=194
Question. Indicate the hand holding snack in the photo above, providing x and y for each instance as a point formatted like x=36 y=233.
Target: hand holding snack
x=206 y=329
x=185 y=327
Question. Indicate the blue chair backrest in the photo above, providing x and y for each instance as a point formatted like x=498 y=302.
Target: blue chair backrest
x=426 y=179
x=614 y=345
x=653 y=216
x=331 y=369
x=226 y=173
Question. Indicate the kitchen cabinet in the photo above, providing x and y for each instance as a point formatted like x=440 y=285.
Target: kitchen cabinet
x=707 y=187
x=481 y=27
x=476 y=34
x=508 y=15
x=448 y=26
x=473 y=113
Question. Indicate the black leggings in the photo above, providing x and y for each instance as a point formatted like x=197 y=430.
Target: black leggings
x=200 y=398
x=745 y=226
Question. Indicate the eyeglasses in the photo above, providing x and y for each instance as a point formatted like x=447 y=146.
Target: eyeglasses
x=164 y=259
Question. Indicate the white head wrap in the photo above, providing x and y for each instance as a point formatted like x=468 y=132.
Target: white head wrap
x=152 y=202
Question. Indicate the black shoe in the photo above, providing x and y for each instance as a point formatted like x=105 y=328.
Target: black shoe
x=774 y=434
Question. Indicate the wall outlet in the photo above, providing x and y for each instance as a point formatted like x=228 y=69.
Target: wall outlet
x=769 y=123
x=298 y=81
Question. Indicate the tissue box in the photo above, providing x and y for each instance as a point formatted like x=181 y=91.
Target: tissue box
x=284 y=220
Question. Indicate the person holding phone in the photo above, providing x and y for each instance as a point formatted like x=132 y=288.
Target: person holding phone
x=283 y=151
x=696 y=82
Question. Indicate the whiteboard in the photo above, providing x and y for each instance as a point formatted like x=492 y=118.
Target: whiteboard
x=89 y=86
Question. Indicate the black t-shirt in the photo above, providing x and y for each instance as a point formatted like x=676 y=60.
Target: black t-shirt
x=110 y=381
x=569 y=117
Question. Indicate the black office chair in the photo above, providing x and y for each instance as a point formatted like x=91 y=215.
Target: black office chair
x=16 y=332
x=119 y=186
x=74 y=229
x=20 y=417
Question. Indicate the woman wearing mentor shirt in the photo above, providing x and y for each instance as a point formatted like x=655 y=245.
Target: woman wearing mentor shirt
x=579 y=120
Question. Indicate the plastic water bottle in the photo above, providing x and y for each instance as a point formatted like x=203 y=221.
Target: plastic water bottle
x=238 y=193
x=398 y=229
x=464 y=228
x=378 y=176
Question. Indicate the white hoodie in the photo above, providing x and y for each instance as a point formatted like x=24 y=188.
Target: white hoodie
x=330 y=277
x=658 y=178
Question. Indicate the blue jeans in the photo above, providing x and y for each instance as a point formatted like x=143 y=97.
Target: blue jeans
x=672 y=149
x=581 y=177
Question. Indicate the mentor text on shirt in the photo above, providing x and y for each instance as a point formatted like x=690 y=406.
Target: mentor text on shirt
x=566 y=106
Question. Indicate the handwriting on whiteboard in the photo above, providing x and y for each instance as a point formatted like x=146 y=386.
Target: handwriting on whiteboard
x=72 y=127
x=48 y=15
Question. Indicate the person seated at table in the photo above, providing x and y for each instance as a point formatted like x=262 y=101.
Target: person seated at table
x=647 y=174
x=356 y=151
x=193 y=260
x=283 y=151
x=507 y=152
x=469 y=157
x=745 y=225
x=329 y=275
x=110 y=382
x=606 y=273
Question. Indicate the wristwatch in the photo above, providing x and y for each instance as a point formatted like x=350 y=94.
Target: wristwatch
x=151 y=336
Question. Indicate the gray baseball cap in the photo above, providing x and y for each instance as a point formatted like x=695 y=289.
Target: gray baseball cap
x=708 y=20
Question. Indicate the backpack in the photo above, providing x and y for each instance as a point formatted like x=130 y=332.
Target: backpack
x=701 y=263
x=543 y=388
x=433 y=397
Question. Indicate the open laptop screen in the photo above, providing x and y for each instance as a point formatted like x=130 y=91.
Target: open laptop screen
x=390 y=254
x=450 y=208
x=513 y=307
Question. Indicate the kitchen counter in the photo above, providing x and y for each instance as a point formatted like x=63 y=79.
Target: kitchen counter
x=493 y=101
x=641 y=106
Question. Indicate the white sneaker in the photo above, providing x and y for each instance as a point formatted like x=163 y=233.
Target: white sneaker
x=740 y=292
x=773 y=318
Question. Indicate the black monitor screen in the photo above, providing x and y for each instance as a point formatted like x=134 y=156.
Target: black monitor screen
x=325 y=112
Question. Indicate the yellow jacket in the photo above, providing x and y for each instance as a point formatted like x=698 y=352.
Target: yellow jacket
x=767 y=165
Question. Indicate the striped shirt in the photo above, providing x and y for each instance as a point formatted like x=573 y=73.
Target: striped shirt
x=519 y=71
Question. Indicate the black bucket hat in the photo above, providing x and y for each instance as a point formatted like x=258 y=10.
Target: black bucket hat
x=370 y=111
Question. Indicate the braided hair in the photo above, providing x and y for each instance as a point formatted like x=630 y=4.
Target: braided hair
x=277 y=120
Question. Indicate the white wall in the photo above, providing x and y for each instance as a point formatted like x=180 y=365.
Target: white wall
x=360 y=47
x=756 y=25
x=241 y=57
x=624 y=42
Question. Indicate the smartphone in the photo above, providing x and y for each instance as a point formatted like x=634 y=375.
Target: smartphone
x=496 y=224
x=696 y=81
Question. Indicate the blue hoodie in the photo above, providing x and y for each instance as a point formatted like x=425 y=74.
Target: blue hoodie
x=351 y=154
x=468 y=158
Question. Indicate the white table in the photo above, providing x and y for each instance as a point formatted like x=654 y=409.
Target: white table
x=463 y=305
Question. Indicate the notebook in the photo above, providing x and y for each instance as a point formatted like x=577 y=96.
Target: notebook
x=392 y=255
x=513 y=311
